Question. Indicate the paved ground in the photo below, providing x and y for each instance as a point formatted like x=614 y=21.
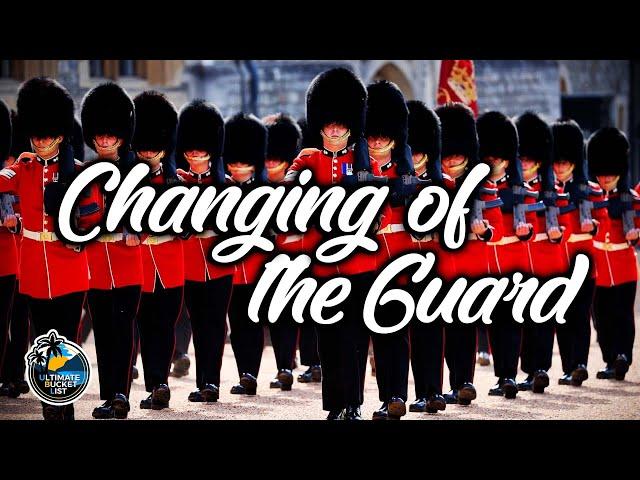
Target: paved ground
x=596 y=399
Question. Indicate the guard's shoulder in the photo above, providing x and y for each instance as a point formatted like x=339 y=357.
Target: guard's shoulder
x=228 y=180
x=307 y=152
x=181 y=174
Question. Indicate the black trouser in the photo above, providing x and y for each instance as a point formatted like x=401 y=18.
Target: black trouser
x=505 y=336
x=7 y=289
x=344 y=349
x=537 y=347
x=391 y=354
x=157 y=319
x=183 y=331
x=247 y=337
x=574 y=336
x=309 y=355
x=113 y=314
x=18 y=344
x=208 y=303
x=613 y=313
x=460 y=348
x=483 y=338
x=427 y=357
x=284 y=336
x=60 y=313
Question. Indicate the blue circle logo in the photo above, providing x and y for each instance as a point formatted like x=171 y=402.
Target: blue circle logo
x=58 y=371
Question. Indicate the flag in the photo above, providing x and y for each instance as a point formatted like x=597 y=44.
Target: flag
x=458 y=84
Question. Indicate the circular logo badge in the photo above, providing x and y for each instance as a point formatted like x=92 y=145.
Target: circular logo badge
x=58 y=371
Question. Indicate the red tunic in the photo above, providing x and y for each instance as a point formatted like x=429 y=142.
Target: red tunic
x=547 y=258
x=577 y=241
x=112 y=264
x=509 y=254
x=615 y=258
x=162 y=256
x=328 y=169
x=48 y=269
x=197 y=247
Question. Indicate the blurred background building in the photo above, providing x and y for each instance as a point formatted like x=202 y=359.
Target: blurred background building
x=593 y=92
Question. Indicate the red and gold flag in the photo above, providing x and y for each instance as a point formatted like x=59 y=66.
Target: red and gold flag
x=458 y=83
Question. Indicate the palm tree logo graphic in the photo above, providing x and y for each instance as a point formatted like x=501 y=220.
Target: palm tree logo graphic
x=60 y=382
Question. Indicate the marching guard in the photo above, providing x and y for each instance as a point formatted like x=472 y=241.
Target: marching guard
x=162 y=256
x=336 y=108
x=615 y=255
x=54 y=276
x=208 y=286
x=115 y=259
x=245 y=149
x=584 y=212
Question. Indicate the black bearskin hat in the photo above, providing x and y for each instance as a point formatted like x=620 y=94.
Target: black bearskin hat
x=283 y=139
x=156 y=123
x=536 y=143
x=608 y=152
x=535 y=137
x=107 y=110
x=425 y=135
x=497 y=136
x=459 y=135
x=5 y=132
x=387 y=113
x=568 y=144
x=337 y=95
x=200 y=127
x=45 y=108
x=245 y=141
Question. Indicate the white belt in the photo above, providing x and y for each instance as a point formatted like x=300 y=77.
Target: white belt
x=111 y=237
x=540 y=237
x=505 y=240
x=610 y=247
x=157 y=240
x=206 y=234
x=40 y=236
x=392 y=228
x=579 y=237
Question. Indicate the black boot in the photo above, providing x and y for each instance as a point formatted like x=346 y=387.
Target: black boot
x=160 y=397
x=565 y=379
x=579 y=375
x=103 y=411
x=540 y=381
x=285 y=377
x=120 y=406
x=397 y=408
x=335 y=415
x=621 y=366
x=250 y=384
x=352 y=412
x=418 y=405
x=181 y=366
x=451 y=397
x=606 y=373
x=435 y=403
x=466 y=394
x=526 y=384
x=496 y=390
x=510 y=388
x=382 y=413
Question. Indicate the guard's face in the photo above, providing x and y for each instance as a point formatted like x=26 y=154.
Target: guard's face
x=240 y=171
x=453 y=161
x=197 y=158
x=271 y=163
x=377 y=143
x=148 y=154
x=43 y=142
x=498 y=165
x=563 y=169
x=335 y=130
x=529 y=167
x=608 y=182
x=106 y=141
